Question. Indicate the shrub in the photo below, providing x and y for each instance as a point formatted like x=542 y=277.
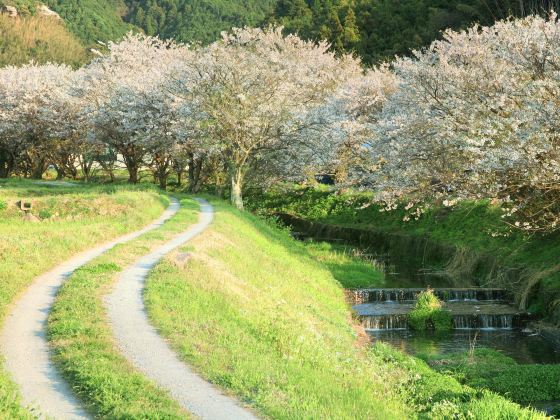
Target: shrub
x=429 y=314
x=45 y=214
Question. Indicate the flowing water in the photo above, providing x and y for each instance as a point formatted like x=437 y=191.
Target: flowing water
x=481 y=318
x=525 y=348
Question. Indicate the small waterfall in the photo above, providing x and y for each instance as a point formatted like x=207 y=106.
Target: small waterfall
x=485 y=321
x=384 y=322
x=470 y=308
x=360 y=296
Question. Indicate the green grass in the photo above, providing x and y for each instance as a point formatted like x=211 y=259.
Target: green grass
x=82 y=339
x=72 y=219
x=260 y=314
x=346 y=265
x=489 y=369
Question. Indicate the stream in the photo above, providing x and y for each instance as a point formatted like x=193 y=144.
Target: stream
x=481 y=318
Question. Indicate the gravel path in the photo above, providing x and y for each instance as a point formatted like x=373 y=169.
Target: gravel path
x=23 y=338
x=141 y=344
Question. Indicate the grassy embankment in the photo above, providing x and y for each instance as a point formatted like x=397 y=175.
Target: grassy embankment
x=82 y=339
x=475 y=226
x=257 y=314
x=69 y=220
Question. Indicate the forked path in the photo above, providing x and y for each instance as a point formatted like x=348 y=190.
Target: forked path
x=23 y=337
x=147 y=351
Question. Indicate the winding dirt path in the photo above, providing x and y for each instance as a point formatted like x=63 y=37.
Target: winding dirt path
x=147 y=351
x=23 y=338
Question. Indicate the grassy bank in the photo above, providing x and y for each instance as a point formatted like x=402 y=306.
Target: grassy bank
x=473 y=226
x=65 y=220
x=82 y=339
x=489 y=369
x=264 y=317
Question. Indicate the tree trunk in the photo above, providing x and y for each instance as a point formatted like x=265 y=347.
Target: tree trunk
x=132 y=160
x=179 y=178
x=59 y=172
x=163 y=181
x=195 y=169
x=7 y=164
x=38 y=169
x=236 y=190
x=132 y=168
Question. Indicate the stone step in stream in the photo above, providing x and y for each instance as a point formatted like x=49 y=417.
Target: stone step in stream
x=387 y=309
x=446 y=294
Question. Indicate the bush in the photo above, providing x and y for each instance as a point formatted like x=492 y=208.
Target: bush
x=429 y=314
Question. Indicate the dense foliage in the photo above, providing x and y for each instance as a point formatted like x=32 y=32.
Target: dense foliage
x=490 y=369
x=379 y=30
x=92 y=20
x=195 y=21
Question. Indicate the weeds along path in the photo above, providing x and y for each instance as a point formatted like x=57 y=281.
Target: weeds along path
x=147 y=351
x=23 y=338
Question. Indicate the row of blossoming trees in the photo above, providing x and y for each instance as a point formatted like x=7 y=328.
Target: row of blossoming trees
x=237 y=109
x=475 y=115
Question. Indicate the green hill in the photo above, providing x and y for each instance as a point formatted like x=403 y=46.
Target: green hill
x=93 y=20
x=196 y=20
x=374 y=29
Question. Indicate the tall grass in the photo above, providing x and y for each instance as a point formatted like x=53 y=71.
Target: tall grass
x=39 y=39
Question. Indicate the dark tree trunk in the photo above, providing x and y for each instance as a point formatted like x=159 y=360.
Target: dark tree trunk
x=195 y=169
x=132 y=160
x=59 y=172
x=38 y=169
x=7 y=164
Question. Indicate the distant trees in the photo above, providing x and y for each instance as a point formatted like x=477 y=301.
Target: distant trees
x=378 y=30
x=474 y=116
x=195 y=21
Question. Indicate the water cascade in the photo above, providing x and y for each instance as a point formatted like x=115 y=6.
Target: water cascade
x=476 y=308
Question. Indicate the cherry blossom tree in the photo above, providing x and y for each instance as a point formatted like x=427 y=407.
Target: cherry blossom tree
x=31 y=106
x=133 y=111
x=253 y=89
x=473 y=118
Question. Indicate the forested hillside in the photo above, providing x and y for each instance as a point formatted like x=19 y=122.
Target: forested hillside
x=196 y=20
x=381 y=29
x=93 y=20
x=374 y=29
